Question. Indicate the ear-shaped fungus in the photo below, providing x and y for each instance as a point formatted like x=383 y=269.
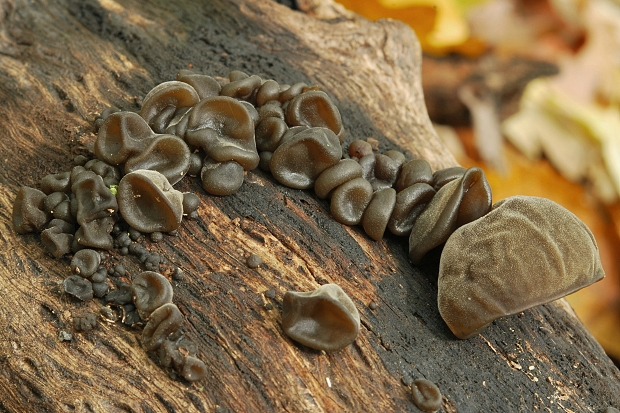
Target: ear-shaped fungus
x=268 y=91
x=224 y=129
x=269 y=133
x=221 y=178
x=148 y=202
x=443 y=176
x=323 y=319
x=377 y=213
x=122 y=135
x=56 y=183
x=78 y=287
x=193 y=369
x=349 y=201
x=525 y=252
x=241 y=88
x=456 y=203
x=413 y=172
x=334 y=176
x=315 y=109
x=162 y=102
x=204 y=85
x=29 y=214
x=96 y=233
x=56 y=242
x=410 y=202
x=300 y=159
x=94 y=198
x=164 y=321
x=166 y=154
x=150 y=291
x=85 y=262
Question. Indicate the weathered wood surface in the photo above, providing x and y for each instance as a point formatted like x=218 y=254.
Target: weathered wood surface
x=61 y=62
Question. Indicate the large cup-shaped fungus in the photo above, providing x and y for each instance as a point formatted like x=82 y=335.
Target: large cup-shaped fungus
x=224 y=129
x=456 y=203
x=323 y=319
x=166 y=154
x=162 y=102
x=300 y=159
x=56 y=242
x=29 y=213
x=96 y=233
x=205 y=86
x=148 y=202
x=122 y=135
x=164 y=321
x=525 y=252
x=315 y=109
x=150 y=291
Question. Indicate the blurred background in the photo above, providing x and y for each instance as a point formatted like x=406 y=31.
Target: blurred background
x=529 y=90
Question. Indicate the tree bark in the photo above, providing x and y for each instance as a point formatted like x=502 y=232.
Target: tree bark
x=63 y=61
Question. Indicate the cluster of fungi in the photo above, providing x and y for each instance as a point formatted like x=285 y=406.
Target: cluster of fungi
x=221 y=128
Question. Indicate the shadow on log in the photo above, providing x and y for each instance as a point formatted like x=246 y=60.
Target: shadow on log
x=63 y=62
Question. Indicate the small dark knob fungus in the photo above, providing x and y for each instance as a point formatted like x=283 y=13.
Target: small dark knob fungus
x=150 y=291
x=525 y=252
x=78 y=287
x=96 y=233
x=164 y=321
x=56 y=183
x=148 y=202
x=269 y=133
x=161 y=103
x=426 y=395
x=323 y=319
x=193 y=369
x=85 y=262
x=56 y=242
x=269 y=91
x=300 y=159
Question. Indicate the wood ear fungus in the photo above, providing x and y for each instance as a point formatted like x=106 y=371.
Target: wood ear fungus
x=85 y=262
x=349 y=201
x=167 y=154
x=221 y=178
x=323 y=319
x=204 y=85
x=163 y=321
x=300 y=159
x=150 y=291
x=334 y=176
x=315 y=109
x=525 y=252
x=28 y=211
x=378 y=212
x=162 y=102
x=426 y=395
x=148 y=202
x=122 y=135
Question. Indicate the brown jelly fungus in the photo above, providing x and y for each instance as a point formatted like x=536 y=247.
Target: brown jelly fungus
x=29 y=213
x=410 y=202
x=334 y=176
x=268 y=91
x=148 y=202
x=94 y=199
x=224 y=129
x=323 y=319
x=167 y=154
x=150 y=291
x=163 y=321
x=85 y=262
x=290 y=92
x=96 y=233
x=443 y=176
x=78 y=287
x=56 y=183
x=204 y=85
x=349 y=201
x=269 y=133
x=193 y=369
x=413 y=172
x=300 y=159
x=162 y=102
x=191 y=202
x=122 y=135
x=456 y=203
x=378 y=212
x=525 y=252
x=426 y=395
x=359 y=148
x=56 y=242
x=241 y=88
x=315 y=109
x=221 y=178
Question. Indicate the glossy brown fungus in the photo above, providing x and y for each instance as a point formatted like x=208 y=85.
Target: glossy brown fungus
x=269 y=133
x=443 y=176
x=78 y=287
x=193 y=369
x=334 y=176
x=323 y=319
x=221 y=178
x=167 y=154
x=148 y=202
x=426 y=395
x=456 y=203
x=268 y=91
x=359 y=148
x=349 y=201
x=95 y=234
x=525 y=252
x=122 y=135
x=378 y=212
x=162 y=102
x=29 y=213
x=300 y=159
x=410 y=202
x=56 y=183
x=413 y=172
x=204 y=85
x=224 y=129
x=150 y=291
x=163 y=321
x=314 y=109
x=56 y=242
x=94 y=199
